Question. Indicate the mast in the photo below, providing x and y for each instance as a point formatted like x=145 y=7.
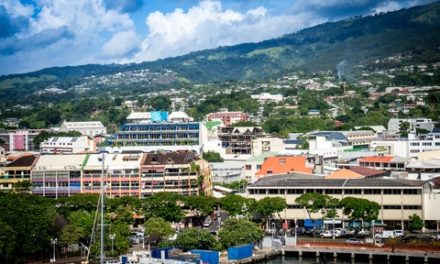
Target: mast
x=102 y=209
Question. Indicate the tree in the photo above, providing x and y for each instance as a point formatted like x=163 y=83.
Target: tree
x=359 y=209
x=239 y=231
x=415 y=222
x=7 y=241
x=160 y=103
x=236 y=204
x=404 y=129
x=79 y=228
x=212 y=156
x=164 y=205
x=194 y=238
x=316 y=202
x=23 y=186
x=201 y=205
x=158 y=227
x=268 y=206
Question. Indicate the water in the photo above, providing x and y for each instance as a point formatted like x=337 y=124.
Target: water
x=328 y=259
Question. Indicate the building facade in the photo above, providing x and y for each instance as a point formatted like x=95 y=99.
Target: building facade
x=228 y=118
x=238 y=140
x=414 y=123
x=87 y=128
x=57 y=145
x=17 y=170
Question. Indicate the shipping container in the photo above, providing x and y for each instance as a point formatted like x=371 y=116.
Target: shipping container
x=207 y=256
x=240 y=252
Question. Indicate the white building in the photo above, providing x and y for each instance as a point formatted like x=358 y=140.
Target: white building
x=87 y=128
x=267 y=97
x=410 y=147
x=253 y=165
x=227 y=171
x=328 y=144
x=179 y=116
x=67 y=145
x=267 y=144
x=139 y=117
x=414 y=123
x=360 y=137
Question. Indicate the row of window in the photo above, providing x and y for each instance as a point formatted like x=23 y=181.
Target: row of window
x=385 y=207
x=337 y=191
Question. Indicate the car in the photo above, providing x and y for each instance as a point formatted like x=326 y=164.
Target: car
x=339 y=232
x=207 y=222
x=354 y=241
x=398 y=233
x=327 y=233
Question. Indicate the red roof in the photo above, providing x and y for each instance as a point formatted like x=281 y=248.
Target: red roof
x=367 y=172
x=383 y=159
x=284 y=164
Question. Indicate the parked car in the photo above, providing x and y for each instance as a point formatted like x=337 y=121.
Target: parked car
x=339 y=232
x=385 y=234
x=327 y=233
x=398 y=233
x=354 y=241
x=207 y=222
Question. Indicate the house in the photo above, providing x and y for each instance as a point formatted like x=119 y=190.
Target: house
x=252 y=165
x=228 y=118
x=314 y=113
x=59 y=145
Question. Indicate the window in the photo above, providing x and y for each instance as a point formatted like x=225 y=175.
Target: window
x=258 y=167
x=353 y=191
x=372 y=191
x=294 y=206
x=437 y=143
x=274 y=191
x=426 y=144
x=295 y=191
x=391 y=191
x=248 y=167
x=415 y=144
x=411 y=191
x=415 y=151
x=412 y=207
x=392 y=207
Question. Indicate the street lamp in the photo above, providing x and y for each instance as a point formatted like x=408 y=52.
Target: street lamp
x=53 y=241
x=374 y=239
x=112 y=237
x=296 y=227
x=333 y=228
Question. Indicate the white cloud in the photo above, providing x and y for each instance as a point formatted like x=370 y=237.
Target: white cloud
x=16 y=8
x=386 y=7
x=209 y=25
x=121 y=44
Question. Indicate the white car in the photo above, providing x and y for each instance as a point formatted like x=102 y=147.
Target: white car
x=327 y=233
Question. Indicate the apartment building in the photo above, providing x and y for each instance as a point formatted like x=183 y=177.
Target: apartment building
x=121 y=173
x=407 y=147
x=57 y=175
x=398 y=199
x=181 y=172
x=360 y=137
x=17 y=170
x=20 y=140
x=328 y=144
x=86 y=128
x=65 y=145
x=228 y=118
x=267 y=144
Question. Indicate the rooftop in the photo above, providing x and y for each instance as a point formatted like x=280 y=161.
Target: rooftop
x=175 y=157
x=284 y=164
x=23 y=161
x=292 y=180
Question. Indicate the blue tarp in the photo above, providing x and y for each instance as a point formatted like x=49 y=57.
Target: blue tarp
x=309 y=223
x=207 y=256
x=155 y=252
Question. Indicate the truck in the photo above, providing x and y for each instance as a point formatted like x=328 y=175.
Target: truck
x=389 y=234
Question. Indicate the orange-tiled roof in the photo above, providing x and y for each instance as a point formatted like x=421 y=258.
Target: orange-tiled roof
x=344 y=174
x=286 y=164
x=384 y=159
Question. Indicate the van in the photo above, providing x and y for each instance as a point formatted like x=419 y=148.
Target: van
x=398 y=233
x=385 y=234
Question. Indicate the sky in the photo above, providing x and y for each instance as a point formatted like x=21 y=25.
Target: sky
x=36 y=34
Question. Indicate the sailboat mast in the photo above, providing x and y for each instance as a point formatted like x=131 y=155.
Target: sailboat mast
x=102 y=209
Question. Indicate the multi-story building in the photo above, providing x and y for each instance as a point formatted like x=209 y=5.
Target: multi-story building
x=139 y=117
x=398 y=199
x=407 y=147
x=87 y=128
x=238 y=140
x=414 y=123
x=284 y=164
x=328 y=144
x=228 y=118
x=180 y=172
x=121 y=174
x=227 y=171
x=388 y=163
x=17 y=170
x=360 y=137
x=57 y=175
x=20 y=140
x=166 y=136
x=67 y=145
x=267 y=144
x=253 y=165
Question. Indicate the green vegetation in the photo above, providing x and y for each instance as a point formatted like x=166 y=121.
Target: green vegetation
x=212 y=156
x=358 y=208
x=195 y=238
x=416 y=222
x=239 y=231
x=158 y=228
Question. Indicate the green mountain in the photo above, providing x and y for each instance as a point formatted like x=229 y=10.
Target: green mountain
x=413 y=32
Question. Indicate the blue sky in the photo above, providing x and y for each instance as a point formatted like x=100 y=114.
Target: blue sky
x=35 y=34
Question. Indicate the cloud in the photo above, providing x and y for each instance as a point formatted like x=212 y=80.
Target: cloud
x=386 y=7
x=10 y=24
x=122 y=44
x=209 y=25
x=124 y=6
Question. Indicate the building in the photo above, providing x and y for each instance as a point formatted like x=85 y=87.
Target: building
x=86 y=128
x=139 y=117
x=253 y=165
x=314 y=113
x=424 y=169
x=267 y=144
x=384 y=163
x=356 y=172
x=181 y=172
x=57 y=175
x=328 y=144
x=121 y=171
x=267 y=97
x=228 y=118
x=179 y=116
x=360 y=137
x=407 y=147
x=284 y=164
x=17 y=170
x=227 y=171
x=414 y=123
x=20 y=140
x=398 y=199
x=66 y=145
x=238 y=140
